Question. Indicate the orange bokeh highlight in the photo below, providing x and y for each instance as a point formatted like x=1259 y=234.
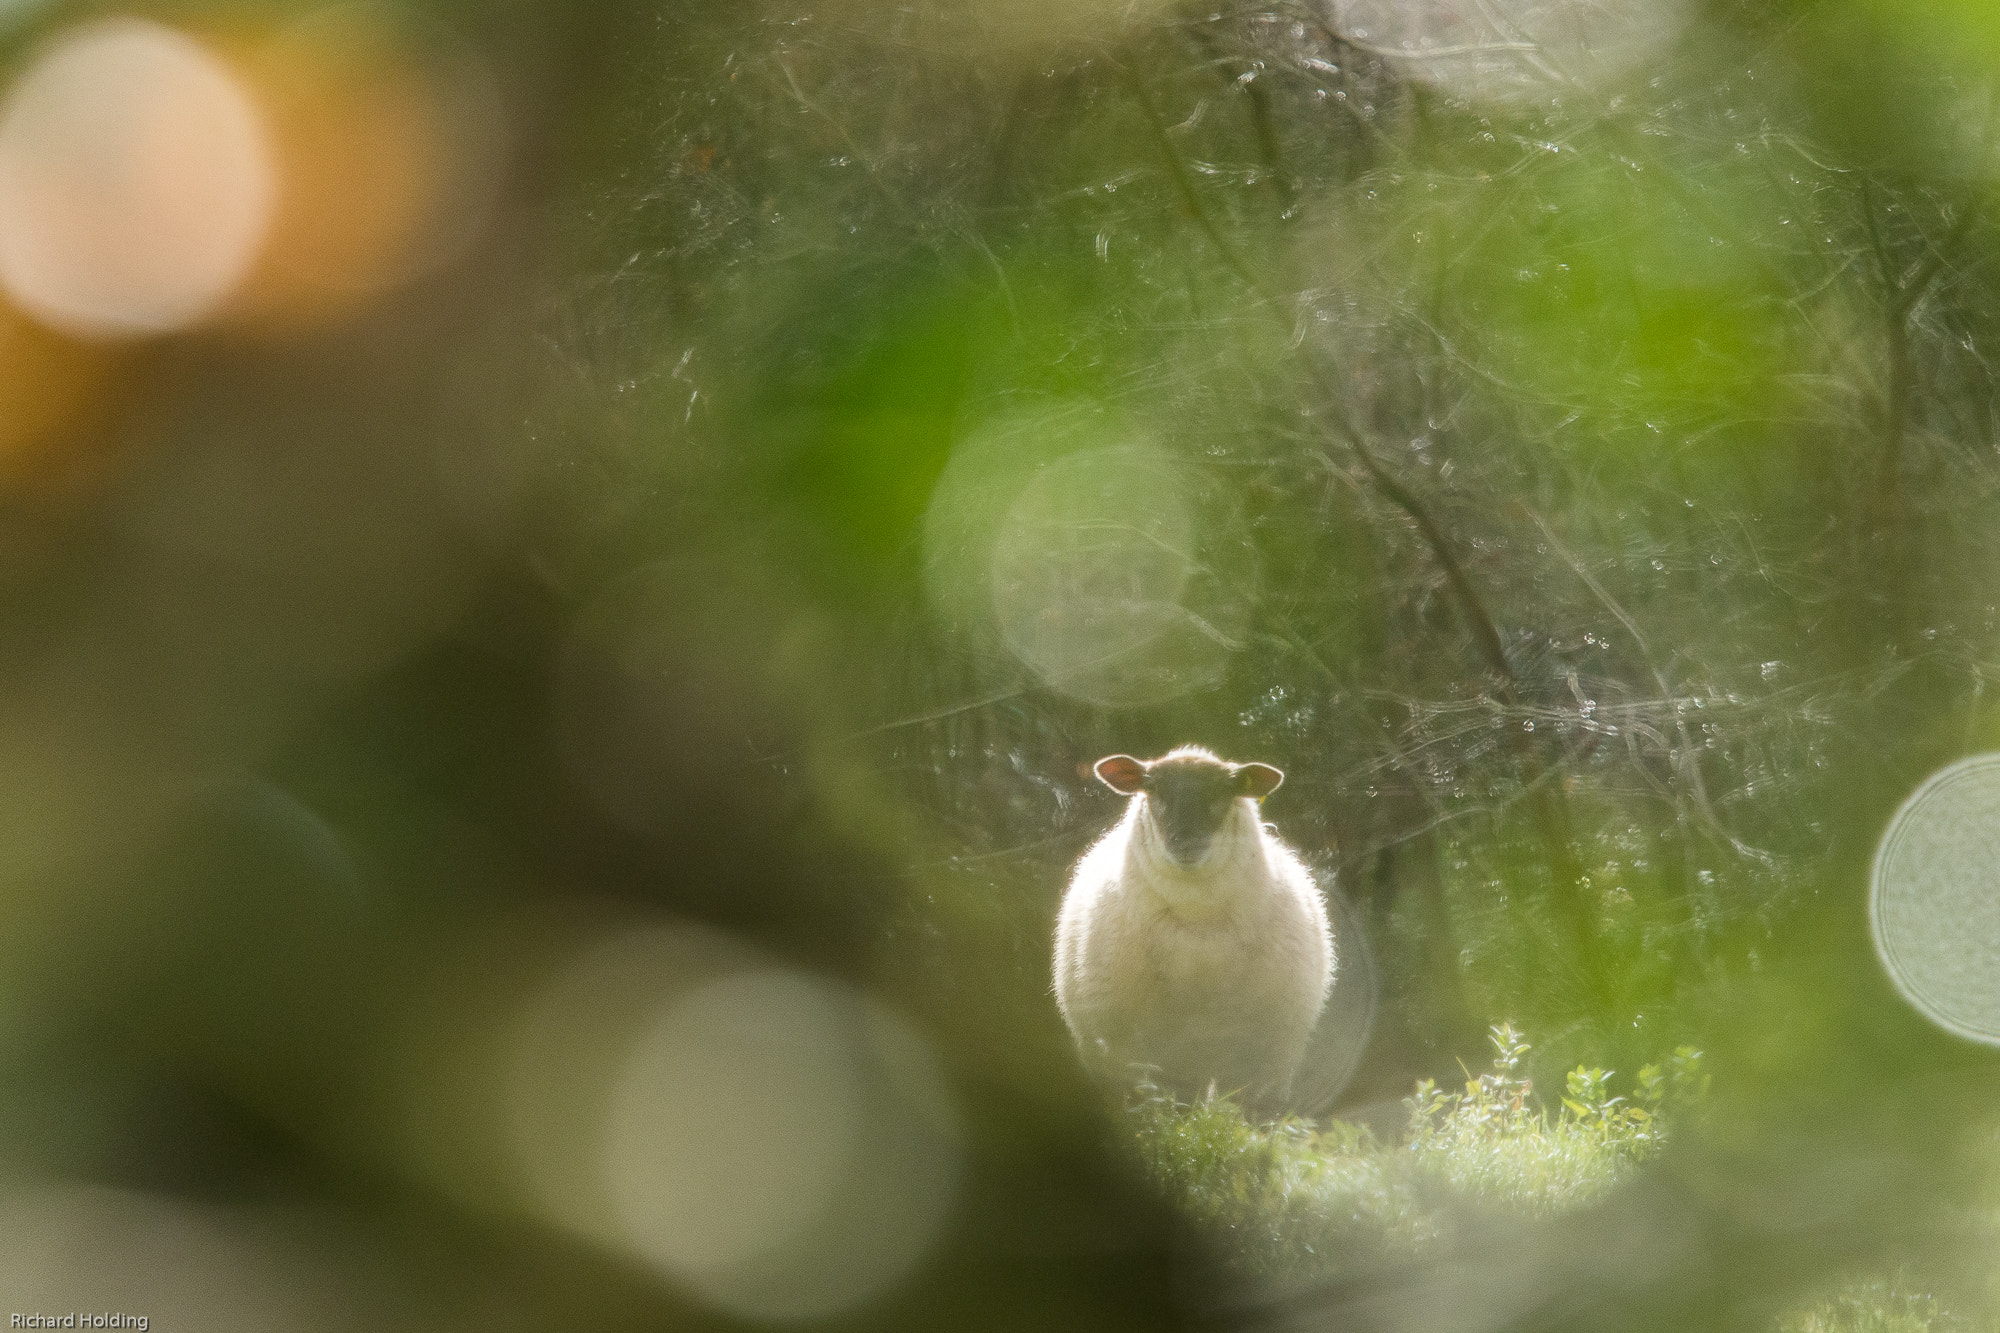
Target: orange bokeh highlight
x=154 y=181
x=389 y=145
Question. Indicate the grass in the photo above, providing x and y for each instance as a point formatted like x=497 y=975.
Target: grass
x=1878 y=1305
x=1294 y=1202
x=1282 y=1201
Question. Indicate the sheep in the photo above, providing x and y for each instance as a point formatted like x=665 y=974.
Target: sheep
x=1193 y=945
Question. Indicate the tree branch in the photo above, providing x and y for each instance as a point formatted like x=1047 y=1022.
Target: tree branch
x=1551 y=813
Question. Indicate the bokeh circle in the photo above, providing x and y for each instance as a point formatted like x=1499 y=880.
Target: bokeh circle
x=1934 y=899
x=1104 y=584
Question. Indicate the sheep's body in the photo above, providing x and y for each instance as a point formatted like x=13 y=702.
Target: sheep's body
x=1211 y=973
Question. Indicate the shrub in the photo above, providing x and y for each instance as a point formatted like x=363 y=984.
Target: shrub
x=1492 y=1143
x=1294 y=1199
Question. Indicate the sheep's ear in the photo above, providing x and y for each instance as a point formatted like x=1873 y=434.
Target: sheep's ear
x=1258 y=780
x=1123 y=774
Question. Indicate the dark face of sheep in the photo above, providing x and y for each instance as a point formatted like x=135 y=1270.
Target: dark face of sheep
x=1189 y=795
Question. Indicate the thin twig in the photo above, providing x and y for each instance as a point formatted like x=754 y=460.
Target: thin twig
x=1686 y=762
x=1550 y=812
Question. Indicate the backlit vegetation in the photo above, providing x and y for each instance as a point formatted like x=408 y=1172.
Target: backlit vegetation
x=1293 y=1198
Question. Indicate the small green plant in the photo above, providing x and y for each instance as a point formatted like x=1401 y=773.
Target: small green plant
x=1492 y=1141
x=1677 y=1082
x=1280 y=1200
x=1295 y=1199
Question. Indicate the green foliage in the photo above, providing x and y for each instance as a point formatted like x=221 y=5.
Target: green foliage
x=1297 y=1202
x=1492 y=1142
x=1292 y=1199
x=1280 y=1200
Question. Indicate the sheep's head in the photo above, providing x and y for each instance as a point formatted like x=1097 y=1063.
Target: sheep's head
x=1189 y=794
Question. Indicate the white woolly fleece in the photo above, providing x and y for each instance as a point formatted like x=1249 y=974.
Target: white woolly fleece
x=1210 y=973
